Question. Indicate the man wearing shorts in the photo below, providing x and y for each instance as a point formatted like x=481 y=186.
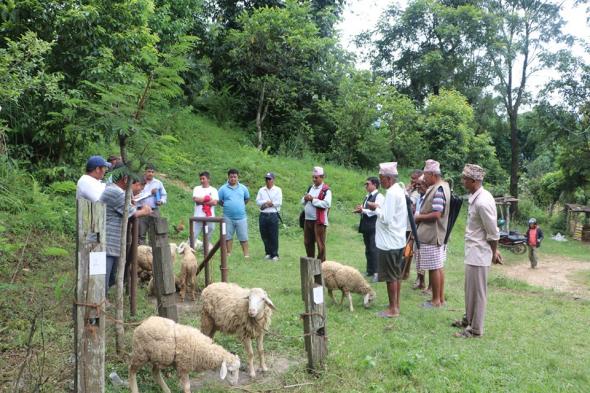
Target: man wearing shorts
x=390 y=236
x=233 y=196
x=432 y=227
x=205 y=198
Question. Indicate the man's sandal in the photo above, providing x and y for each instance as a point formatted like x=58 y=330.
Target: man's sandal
x=460 y=323
x=466 y=334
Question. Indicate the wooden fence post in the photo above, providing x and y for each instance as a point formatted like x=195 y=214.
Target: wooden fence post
x=89 y=308
x=132 y=276
x=314 y=318
x=162 y=268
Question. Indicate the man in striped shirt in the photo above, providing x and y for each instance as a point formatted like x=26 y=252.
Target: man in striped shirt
x=432 y=223
x=114 y=199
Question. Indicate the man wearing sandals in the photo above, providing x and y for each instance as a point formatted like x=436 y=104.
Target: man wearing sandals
x=390 y=236
x=481 y=250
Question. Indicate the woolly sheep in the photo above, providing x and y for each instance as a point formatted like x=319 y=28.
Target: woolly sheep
x=188 y=271
x=245 y=312
x=145 y=260
x=163 y=343
x=347 y=279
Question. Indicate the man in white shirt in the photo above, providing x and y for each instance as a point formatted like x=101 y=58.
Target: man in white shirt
x=269 y=199
x=316 y=202
x=390 y=236
x=367 y=224
x=481 y=250
x=205 y=197
x=90 y=185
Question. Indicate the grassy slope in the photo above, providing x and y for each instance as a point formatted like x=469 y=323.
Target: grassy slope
x=536 y=340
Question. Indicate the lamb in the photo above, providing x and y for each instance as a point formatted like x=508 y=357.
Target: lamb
x=347 y=279
x=242 y=311
x=145 y=260
x=162 y=342
x=188 y=271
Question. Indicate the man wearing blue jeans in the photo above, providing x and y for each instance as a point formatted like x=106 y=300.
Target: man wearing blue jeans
x=233 y=196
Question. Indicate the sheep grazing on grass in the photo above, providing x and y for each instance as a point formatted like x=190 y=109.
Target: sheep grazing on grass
x=245 y=312
x=347 y=279
x=188 y=271
x=162 y=342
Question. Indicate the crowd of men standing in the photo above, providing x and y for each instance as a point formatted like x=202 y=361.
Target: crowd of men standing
x=403 y=222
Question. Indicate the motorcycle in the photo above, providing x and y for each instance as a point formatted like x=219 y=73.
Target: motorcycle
x=513 y=241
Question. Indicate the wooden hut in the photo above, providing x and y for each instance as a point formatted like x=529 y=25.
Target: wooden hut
x=578 y=221
x=503 y=205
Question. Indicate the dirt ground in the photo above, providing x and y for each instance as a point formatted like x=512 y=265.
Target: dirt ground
x=551 y=273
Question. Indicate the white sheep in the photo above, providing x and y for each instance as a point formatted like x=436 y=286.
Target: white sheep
x=145 y=258
x=245 y=312
x=188 y=271
x=162 y=343
x=347 y=279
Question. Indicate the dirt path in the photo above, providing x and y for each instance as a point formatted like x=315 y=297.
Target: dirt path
x=551 y=273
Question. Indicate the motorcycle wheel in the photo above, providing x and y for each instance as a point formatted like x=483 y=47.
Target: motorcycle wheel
x=518 y=249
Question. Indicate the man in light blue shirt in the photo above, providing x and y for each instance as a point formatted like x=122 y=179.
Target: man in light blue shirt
x=233 y=196
x=153 y=195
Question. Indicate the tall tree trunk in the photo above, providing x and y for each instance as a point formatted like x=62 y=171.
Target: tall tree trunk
x=119 y=314
x=261 y=115
x=123 y=138
x=515 y=156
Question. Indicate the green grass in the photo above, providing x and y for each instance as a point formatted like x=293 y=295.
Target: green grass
x=535 y=341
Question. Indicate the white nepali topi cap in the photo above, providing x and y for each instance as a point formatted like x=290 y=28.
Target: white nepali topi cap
x=474 y=172
x=388 y=168
x=318 y=171
x=432 y=166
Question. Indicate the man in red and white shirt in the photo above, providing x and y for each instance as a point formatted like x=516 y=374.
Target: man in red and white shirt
x=205 y=197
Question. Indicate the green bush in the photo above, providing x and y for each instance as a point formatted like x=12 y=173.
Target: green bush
x=528 y=209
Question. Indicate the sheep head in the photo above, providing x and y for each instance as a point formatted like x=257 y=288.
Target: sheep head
x=233 y=369
x=182 y=247
x=369 y=298
x=257 y=300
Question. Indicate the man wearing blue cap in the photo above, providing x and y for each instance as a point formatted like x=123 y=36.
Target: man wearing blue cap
x=269 y=200
x=90 y=185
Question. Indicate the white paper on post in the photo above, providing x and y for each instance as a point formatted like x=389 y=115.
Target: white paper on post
x=223 y=228
x=318 y=295
x=98 y=263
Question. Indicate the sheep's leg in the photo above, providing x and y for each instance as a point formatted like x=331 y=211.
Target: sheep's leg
x=260 y=347
x=342 y=298
x=133 y=379
x=350 y=301
x=250 y=353
x=158 y=377
x=182 y=287
x=193 y=287
x=185 y=382
x=207 y=325
x=331 y=296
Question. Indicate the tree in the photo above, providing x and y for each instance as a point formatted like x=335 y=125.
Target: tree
x=449 y=132
x=431 y=45
x=273 y=58
x=522 y=32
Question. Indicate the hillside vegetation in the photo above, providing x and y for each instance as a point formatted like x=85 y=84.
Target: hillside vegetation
x=533 y=338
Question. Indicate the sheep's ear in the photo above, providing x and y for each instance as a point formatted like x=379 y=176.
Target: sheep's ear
x=269 y=302
x=223 y=370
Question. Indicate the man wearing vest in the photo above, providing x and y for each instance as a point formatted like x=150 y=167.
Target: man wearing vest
x=432 y=227
x=316 y=202
x=390 y=236
x=367 y=224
